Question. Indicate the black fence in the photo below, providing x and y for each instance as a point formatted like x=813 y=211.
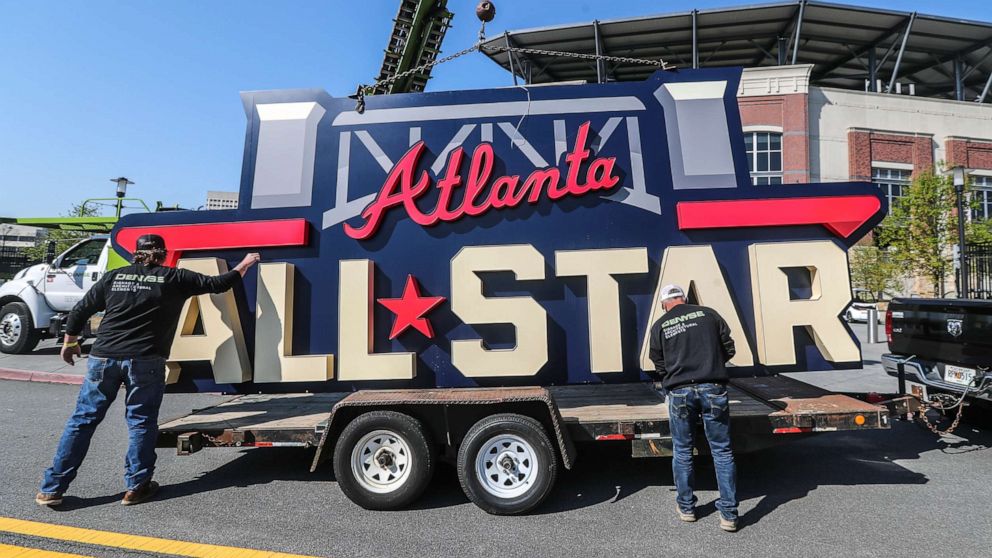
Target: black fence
x=13 y=260
x=979 y=261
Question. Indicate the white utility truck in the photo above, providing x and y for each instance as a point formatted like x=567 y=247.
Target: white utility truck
x=34 y=304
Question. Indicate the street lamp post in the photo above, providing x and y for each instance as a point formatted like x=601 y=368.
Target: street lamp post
x=122 y=183
x=959 y=177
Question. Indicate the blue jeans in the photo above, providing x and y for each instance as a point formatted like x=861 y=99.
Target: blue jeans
x=144 y=380
x=685 y=405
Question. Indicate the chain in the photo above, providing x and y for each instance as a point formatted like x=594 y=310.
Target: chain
x=932 y=427
x=540 y=52
x=363 y=89
x=937 y=405
x=359 y=95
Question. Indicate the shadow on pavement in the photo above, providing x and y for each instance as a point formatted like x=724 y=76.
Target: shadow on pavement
x=71 y=503
x=774 y=476
x=262 y=466
x=605 y=472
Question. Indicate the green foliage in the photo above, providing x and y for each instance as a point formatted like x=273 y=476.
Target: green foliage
x=873 y=269
x=63 y=239
x=921 y=230
x=979 y=232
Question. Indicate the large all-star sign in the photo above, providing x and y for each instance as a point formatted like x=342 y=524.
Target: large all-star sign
x=507 y=236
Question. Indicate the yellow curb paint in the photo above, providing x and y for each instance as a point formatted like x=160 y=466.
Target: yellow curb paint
x=8 y=551
x=128 y=542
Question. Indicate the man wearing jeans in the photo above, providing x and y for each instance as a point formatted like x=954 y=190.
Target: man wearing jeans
x=690 y=346
x=141 y=305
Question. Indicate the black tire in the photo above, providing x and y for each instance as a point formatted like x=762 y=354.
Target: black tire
x=17 y=332
x=401 y=436
x=499 y=432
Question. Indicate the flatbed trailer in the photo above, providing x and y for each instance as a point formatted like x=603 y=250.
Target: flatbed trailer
x=764 y=411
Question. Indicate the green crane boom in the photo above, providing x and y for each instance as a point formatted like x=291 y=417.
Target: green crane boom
x=418 y=30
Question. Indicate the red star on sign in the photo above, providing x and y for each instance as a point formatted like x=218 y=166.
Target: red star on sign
x=410 y=309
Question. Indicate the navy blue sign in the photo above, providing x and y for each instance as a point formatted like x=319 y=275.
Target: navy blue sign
x=436 y=237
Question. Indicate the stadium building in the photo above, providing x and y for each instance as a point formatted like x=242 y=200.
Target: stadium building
x=830 y=92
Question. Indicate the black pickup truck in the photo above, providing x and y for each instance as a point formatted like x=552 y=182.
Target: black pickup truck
x=945 y=345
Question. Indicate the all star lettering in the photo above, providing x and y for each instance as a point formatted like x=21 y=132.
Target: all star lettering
x=481 y=192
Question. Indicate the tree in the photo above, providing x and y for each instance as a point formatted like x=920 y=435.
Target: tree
x=921 y=229
x=63 y=238
x=873 y=269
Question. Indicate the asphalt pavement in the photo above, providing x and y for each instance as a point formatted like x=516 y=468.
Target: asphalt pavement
x=874 y=493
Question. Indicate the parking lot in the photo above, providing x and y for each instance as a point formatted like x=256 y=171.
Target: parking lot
x=854 y=494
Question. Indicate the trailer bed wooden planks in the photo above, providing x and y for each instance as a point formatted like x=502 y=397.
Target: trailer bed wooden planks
x=297 y=411
x=635 y=402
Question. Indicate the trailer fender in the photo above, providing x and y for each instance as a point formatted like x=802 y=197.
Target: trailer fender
x=496 y=399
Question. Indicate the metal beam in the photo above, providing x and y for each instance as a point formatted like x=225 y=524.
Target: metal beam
x=975 y=65
x=870 y=46
x=902 y=49
x=872 y=71
x=695 y=39
x=509 y=56
x=529 y=75
x=799 y=30
x=778 y=39
x=985 y=90
x=913 y=70
x=599 y=50
x=958 y=80
x=762 y=49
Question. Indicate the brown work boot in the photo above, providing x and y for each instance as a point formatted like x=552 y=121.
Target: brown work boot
x=728 y=525
x=49 y=500
x=141 y=494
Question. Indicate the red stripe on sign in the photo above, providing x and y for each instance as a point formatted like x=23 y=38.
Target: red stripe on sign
x=220 y=236
x=840 y=214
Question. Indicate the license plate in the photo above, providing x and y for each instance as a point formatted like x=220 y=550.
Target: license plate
x=959 y=375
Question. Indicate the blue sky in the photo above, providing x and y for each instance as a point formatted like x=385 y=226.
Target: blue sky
x=91 y=90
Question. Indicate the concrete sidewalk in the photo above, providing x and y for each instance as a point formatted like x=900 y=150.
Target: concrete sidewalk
x=44 y=365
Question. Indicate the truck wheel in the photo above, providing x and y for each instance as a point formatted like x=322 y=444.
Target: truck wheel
x=17 y=332
x=383 y=460
x=506 y=464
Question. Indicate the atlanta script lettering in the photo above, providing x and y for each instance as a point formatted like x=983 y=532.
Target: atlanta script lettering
x=481 y=192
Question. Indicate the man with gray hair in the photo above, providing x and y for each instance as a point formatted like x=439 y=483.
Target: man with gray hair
x=690 y=346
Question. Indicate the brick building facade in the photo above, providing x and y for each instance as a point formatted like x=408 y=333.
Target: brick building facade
x=798 y=133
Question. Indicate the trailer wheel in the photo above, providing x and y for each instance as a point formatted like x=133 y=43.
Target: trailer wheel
x=383 y=460
x=506 y=464
x=17 y=332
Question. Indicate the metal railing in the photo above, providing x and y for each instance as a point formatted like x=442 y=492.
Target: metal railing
x=979 y=279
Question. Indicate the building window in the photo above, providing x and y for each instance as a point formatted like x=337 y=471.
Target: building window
x=894 y=182
x=981 y=197
x=764 y=156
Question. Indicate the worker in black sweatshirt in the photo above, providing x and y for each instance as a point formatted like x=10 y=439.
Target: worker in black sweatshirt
x=141 y=304
x=690 y=346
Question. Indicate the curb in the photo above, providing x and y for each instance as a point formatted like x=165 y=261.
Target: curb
x=44 y=377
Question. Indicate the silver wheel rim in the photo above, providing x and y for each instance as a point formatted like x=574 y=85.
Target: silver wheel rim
x=10 y=329
x=381 y=461
x=507 y=466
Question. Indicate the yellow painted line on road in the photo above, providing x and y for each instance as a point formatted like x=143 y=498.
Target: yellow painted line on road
x=128 y=542
x=8 y=551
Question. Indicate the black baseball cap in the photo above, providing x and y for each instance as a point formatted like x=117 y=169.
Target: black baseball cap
x=150 y=242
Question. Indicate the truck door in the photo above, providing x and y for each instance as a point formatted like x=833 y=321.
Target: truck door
x=73 y=273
